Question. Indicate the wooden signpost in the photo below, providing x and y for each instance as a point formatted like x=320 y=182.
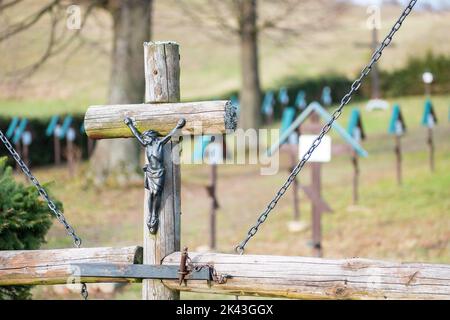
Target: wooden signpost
x=70 y=150
x=429 y=120
x=314 y=112
x=397 y=128
x=54 y=129
x=212 y=150
x=267 y=107
x=214 y=154
x=300 y=100
x=90 y=142
x=291 y=146
x=283 y=97
x=314 y=191
x=163 y=268
x=17 y=139
x=326 y=96
x=12 y=129
x=356 y=130
x=26 y=139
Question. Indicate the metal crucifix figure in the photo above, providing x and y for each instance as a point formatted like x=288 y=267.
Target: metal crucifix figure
x=154 y=169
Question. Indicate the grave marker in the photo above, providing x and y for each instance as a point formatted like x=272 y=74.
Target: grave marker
x=267 y=106
x=292 y=149
x=70 y=138
x=54 y=129
x=429 y=120
x=17 y=138
x=27 y=139
x=356 y=130
x=12 y=127
x=283 y=97
x=326 y=96
x=161 y=112
x=300 y=100
x=397 y=128
x=315 y=111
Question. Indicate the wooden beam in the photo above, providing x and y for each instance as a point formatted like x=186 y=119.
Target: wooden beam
x=316 y=278
x=207 y=117
x=31 y=267
x=162 y=84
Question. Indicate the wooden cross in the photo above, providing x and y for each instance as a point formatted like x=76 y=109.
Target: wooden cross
x=161 y=112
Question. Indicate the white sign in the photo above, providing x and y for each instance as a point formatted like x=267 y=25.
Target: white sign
x=293 y=138
x=58 y=130
x=214 y=153
x=321 y=154
x=399 y=128
x=26 y=138
x=430 y=120
x=357 y=135
x=71 y=135
x=427 y=77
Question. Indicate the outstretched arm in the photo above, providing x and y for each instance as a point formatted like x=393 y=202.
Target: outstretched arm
x=181 y=123
x=134 y=130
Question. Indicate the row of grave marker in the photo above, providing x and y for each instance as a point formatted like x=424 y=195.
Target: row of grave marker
x=353 y=135
x=20 y=134
x=269 y=101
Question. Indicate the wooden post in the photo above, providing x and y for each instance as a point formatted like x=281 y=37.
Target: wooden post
x=398 y=155
x=355 y=177
x=57 y=146
x=212 y=215
x=26 y=154
x=162 y=85
x=316 y=209
x=431 y=145
x=70 y=149
x=70 y=157
x=90 y=146
x=293 y=156
x=18 y=146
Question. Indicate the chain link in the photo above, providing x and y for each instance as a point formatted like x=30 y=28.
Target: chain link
x=240 y=248
x=50 y=203
x=216 y=277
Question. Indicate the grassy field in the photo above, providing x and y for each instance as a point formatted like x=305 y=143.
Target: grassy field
x=408 y=223
x=210 y=65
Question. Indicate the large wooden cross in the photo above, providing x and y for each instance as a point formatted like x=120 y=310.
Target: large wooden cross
x=161 y=112
x=160 y=262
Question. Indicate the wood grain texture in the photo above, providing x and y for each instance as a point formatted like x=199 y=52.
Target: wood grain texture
x=162 y=86
x=162 y=72
x=206 y=117
x=316 y=278
x=53 y=266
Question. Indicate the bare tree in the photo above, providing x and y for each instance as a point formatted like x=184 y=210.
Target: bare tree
x=131 y=28
x=246 y=20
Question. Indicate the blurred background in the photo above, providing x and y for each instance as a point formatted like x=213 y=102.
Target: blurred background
x=59 y=57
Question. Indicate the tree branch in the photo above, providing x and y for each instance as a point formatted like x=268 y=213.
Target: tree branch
x=28 y=21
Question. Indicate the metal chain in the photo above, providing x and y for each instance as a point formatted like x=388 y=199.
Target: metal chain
x=336 y=114
x=50 y=203
x=216 y=277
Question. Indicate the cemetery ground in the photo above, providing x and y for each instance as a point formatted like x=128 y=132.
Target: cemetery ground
x=407 y=223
